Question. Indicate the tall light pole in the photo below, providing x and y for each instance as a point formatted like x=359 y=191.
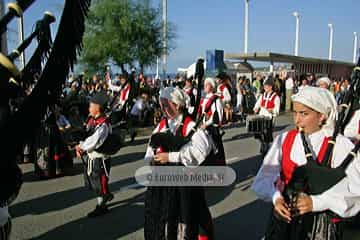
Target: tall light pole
x=21 y=39
x=164 y=37
x=3 y=37
x=246 y=26
x=331 y=40
x=157 y=69
x=296 y=50
x=355 y=46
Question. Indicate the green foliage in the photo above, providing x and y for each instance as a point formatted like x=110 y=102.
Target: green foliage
x=124 y=32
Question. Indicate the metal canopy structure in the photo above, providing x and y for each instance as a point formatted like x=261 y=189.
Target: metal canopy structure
x=281 y=58
x=301 y=65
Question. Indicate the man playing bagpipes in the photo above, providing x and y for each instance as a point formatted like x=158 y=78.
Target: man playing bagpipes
x=177 y=212
x=310 y=192
x=98 y=164
x=211 y=112
x=268 y=106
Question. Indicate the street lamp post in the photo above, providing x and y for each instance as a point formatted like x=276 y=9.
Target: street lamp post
x=246 y=26
x=21 y=39
x=3 y=37
x=331 y=40
x=157 y=69
x=164 y=37
x=355 y=46
x=297 y=16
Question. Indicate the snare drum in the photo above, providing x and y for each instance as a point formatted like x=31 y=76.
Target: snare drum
x=258 y=123
x=268 y=123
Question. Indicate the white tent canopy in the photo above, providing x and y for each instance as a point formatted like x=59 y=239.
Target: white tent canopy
x=190 y=71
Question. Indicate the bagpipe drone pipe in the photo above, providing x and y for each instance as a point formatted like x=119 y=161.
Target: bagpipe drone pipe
x=11 y=76
x=16 y=9
x=21 y=125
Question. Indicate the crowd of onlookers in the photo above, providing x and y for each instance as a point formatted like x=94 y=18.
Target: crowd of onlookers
x=285 y=85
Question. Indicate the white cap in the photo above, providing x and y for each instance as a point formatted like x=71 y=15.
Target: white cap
x=176 y=95
x=211 y=81
x=321 y=100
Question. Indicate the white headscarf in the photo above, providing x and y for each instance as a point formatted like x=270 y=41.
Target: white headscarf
x=211 y=81
x=325 y=80
x=176 y=95
x=322 y=101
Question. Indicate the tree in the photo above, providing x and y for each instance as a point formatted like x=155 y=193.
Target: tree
x=148 y=44
x=124 y=32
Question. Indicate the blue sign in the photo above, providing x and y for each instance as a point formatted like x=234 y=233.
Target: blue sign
x=214 y=60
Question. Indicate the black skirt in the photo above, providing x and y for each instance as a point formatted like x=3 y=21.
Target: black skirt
x=173 y=213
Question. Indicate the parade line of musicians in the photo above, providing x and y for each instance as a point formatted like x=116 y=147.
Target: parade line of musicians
x=303 y=212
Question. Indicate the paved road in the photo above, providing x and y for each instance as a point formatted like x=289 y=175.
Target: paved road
x=57 y=208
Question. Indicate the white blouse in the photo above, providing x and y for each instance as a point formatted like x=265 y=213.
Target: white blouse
x=343 y=198
x=192 y=153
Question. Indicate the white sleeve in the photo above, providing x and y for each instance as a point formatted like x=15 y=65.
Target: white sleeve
x=113 y=87
x=226 y=94
x=258 y=103
x=276 y=109
x=149 y=155
x=141 y=105
x=264 y=183
x=96 y=139
x=344 y=197
x=194 y=152
x=194 y=91
x=219 y=109
x=352 y=129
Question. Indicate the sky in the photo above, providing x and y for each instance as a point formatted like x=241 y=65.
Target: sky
x=219 y=24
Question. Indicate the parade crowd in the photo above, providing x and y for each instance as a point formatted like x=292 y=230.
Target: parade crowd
x=189 y=133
